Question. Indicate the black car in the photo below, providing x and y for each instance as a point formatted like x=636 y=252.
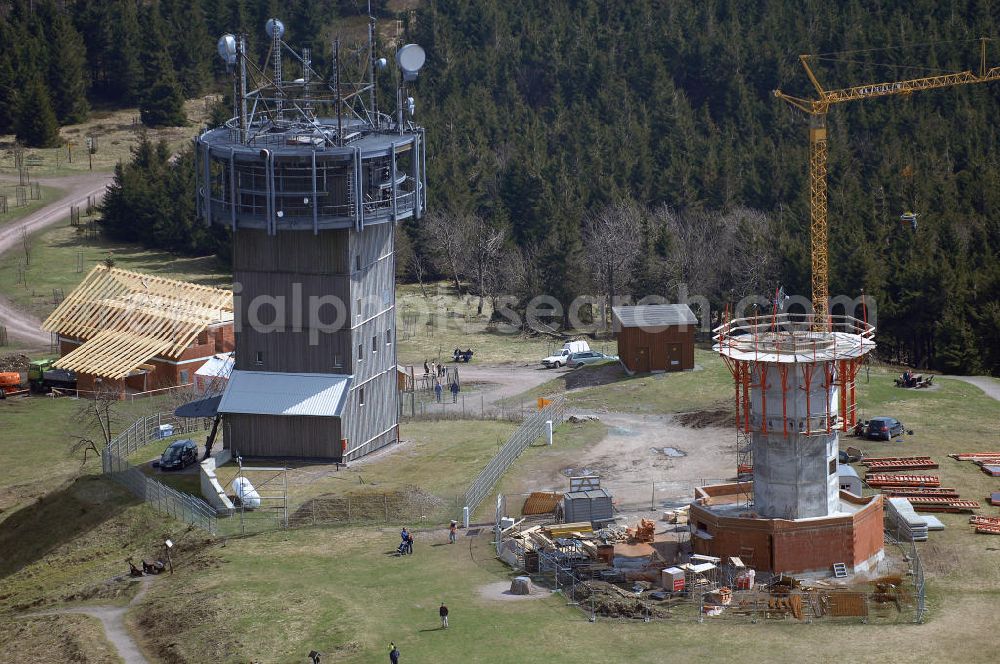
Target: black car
x=884 y=428
x=180 y=454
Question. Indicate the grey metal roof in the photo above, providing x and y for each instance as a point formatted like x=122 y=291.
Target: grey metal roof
x=271 y=393
x=847 y=471
x=207 y=407
x=654 y=315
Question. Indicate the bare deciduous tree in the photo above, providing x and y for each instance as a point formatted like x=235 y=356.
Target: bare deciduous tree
x=613 y=238
x=484 y=242
x=96 y=414
x=446 y=244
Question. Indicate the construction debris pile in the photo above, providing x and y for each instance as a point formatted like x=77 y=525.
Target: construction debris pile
x=986 y=525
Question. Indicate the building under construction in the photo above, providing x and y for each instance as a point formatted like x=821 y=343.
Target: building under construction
x=794 y=380
x=311 y=178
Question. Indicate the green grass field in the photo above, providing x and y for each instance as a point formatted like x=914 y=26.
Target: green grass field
x=13 y=213
x=116 y=132
x=62 y=257
x=608 y=388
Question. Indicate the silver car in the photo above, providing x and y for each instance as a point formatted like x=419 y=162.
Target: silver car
x=585 y=357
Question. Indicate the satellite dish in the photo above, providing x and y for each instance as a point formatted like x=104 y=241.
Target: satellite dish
x=227 y=48
x=410 y=59
x=274 y=28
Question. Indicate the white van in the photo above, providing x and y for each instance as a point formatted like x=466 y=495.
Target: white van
x=559 y=359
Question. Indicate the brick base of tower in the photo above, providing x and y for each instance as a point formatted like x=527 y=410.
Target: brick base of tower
x=854 y=537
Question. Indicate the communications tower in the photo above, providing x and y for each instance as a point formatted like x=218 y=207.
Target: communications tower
x=311 y=178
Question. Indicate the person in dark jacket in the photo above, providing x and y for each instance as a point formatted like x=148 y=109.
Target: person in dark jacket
x=454 y=391
x=443 y=612
x=393 y=653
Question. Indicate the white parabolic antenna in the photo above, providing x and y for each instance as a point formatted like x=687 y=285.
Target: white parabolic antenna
x=410 y=59
x=227 y=48
x=272 y=26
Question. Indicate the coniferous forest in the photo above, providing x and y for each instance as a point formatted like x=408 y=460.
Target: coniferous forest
x=610 y=149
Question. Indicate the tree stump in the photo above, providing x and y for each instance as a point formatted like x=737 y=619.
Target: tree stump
x=520 y=585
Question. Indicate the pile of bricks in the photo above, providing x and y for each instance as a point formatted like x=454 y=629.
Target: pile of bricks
x=911 y=491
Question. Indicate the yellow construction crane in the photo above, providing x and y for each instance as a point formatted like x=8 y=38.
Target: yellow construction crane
x=817 y=110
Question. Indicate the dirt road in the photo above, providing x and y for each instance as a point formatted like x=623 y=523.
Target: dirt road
x=20 y=325
x=113 y=620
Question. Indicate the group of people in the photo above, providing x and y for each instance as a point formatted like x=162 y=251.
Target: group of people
x=455 y=389
x=435 y=369
x=406 y=545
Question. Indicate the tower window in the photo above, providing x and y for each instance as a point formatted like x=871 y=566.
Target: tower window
x=259 y=358
x=388 y=337
x=357 y=307
x=833 y=466
x=375 y=344
x=357 y=262
x=338 y=361
x=361 y=396
x=361 y=352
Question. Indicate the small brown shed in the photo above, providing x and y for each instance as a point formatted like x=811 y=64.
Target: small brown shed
x=656 y=337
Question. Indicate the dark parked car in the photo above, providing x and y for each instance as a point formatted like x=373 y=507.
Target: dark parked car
x=884 y=428
x=180 y=454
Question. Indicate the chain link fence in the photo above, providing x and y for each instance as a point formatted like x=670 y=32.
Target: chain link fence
x=116 y=466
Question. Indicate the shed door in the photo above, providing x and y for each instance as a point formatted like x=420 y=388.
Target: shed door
x=642 y=359
x=675 y=357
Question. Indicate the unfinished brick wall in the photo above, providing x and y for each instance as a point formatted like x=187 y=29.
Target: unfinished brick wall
x=792 y=546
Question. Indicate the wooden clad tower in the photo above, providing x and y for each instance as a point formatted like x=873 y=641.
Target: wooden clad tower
x=311 y=179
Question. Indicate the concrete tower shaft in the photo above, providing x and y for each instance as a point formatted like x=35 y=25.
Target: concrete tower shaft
x=794 y=392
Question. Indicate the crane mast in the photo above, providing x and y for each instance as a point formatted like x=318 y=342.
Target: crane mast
x=817 y=110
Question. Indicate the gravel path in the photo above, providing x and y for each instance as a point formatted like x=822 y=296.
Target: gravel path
x=991 y=386
x=113 y=620
x=21 y=325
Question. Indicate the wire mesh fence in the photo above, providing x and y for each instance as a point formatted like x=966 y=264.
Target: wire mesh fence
x=534 y=426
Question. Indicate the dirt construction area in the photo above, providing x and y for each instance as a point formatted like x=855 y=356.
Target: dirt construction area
x=644 y=460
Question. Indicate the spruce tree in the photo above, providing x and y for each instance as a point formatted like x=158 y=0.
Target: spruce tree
x=67 y=77
x=125 y=54
x=162 y=103
x=189 y=43
x=36 y=125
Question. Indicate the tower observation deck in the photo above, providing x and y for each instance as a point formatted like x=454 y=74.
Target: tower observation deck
x=311 y=178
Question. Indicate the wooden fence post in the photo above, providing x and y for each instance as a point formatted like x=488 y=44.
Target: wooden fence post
x=385 y=502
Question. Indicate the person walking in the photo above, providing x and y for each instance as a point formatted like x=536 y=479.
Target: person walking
x=427 y=370
x=452 y=532
x=437 y=391
x=443 y=612
x=454 y=391
x=393 y=653
x=409 y=543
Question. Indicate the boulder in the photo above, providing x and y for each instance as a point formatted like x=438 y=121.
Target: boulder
x=520 y=585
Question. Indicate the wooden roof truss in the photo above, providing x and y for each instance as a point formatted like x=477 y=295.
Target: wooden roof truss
x=126 y=318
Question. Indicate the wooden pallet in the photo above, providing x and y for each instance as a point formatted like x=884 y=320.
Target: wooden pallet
x=909 y=464
x=907 y=491
x=876 y=460
x=985 y=520
x=972 y=456
x=988 y=530
x=928 y=504
x=880 y=480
